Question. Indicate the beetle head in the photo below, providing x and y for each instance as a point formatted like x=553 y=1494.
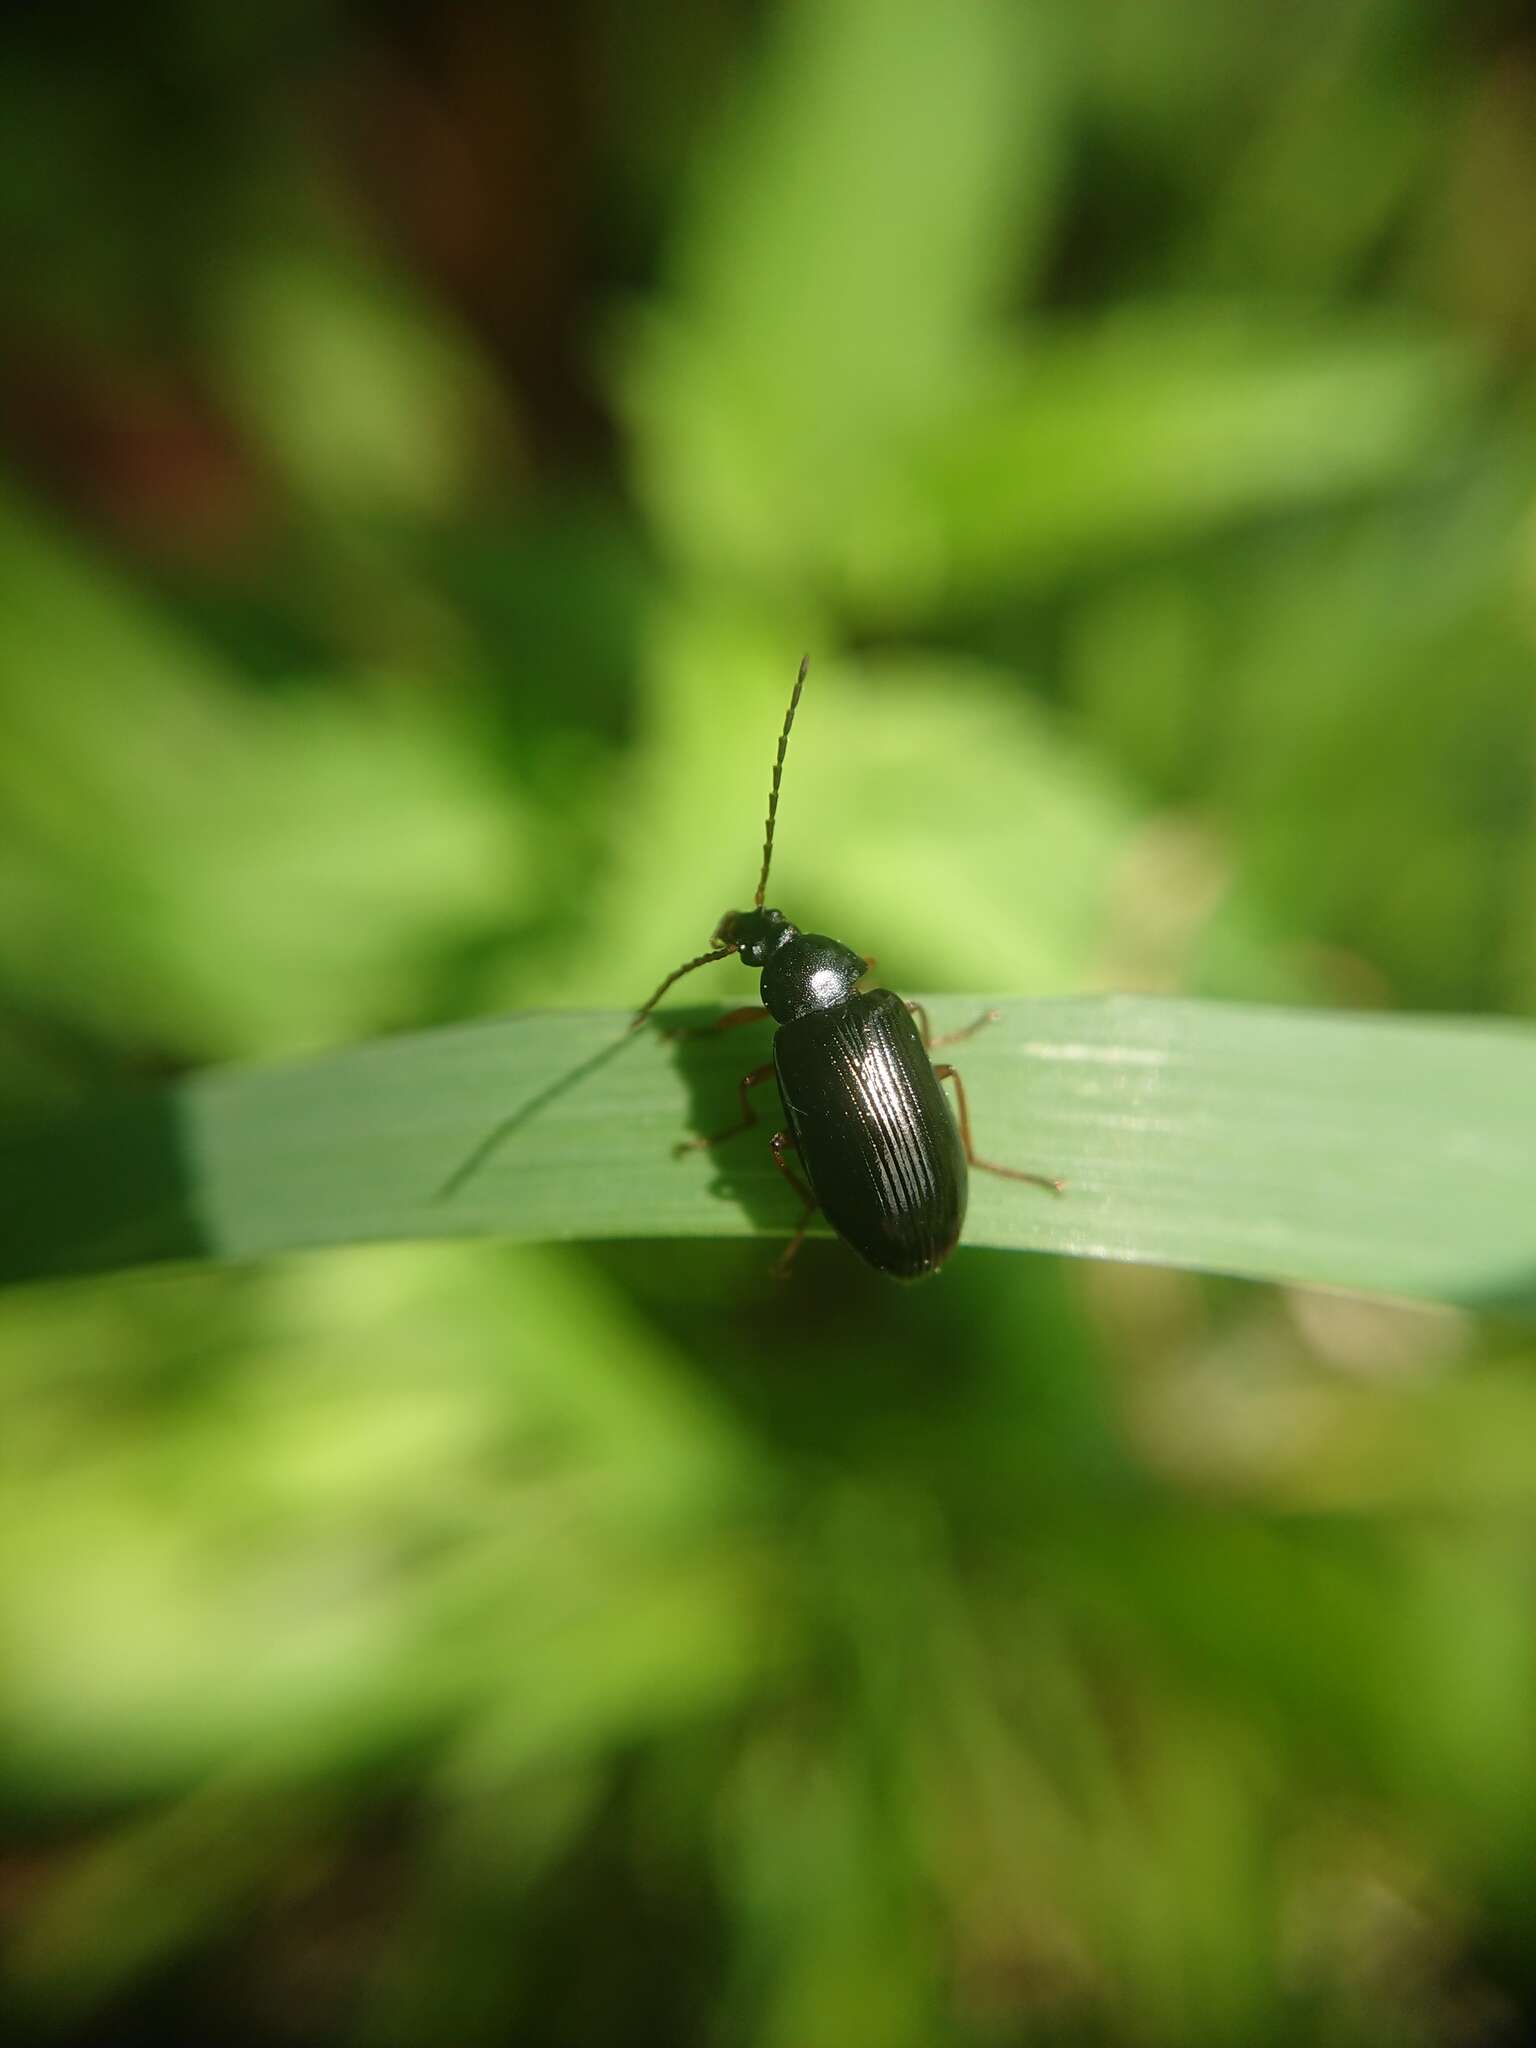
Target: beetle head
x=755 y=934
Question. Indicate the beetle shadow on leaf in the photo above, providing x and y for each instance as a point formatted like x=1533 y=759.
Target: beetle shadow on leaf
x=712 y=1064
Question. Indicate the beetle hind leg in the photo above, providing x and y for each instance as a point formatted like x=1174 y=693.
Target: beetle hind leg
x=946 y=1072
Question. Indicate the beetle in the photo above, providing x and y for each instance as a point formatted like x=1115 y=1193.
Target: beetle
x=864 y=1107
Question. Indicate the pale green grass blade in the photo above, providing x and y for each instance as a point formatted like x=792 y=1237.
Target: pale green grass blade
x=1378 y=1153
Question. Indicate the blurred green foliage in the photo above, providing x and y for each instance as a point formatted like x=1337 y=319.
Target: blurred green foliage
x=433 y=437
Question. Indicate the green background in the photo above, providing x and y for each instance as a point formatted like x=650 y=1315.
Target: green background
x=432 y=437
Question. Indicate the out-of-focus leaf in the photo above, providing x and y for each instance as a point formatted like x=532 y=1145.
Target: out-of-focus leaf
x=318 y=1548
x=1164 y=423
x=853 y=233
x=187 y=863
x=1355 y=732
x=359 y=390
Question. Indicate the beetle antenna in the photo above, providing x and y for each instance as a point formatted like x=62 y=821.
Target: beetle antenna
x=778 y=770
x=704 y=959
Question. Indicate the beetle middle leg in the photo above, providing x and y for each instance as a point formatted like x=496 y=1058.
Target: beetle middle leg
x=946 y=1072
x=950 y=1037
x=781 y=1143
x=750 y=1081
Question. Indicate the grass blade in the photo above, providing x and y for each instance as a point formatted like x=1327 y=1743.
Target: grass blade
x=1376 y=1153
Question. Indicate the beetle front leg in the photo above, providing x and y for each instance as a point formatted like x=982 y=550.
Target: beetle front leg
x=1040 y=1180
x=781 y=1143
x=755 y=1079
x=950 y=1037
x=729 y=1020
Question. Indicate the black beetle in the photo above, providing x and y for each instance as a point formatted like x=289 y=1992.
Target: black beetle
x=863 y=1102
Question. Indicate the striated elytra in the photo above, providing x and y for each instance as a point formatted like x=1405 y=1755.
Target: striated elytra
x=874 y=1133
x=864 y=1109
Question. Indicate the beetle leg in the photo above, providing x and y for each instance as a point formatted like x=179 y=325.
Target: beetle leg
x=781 y=1143
x=755 y=1079
x=728 y=1020
x=1040 y=1180
x=950 y=1037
